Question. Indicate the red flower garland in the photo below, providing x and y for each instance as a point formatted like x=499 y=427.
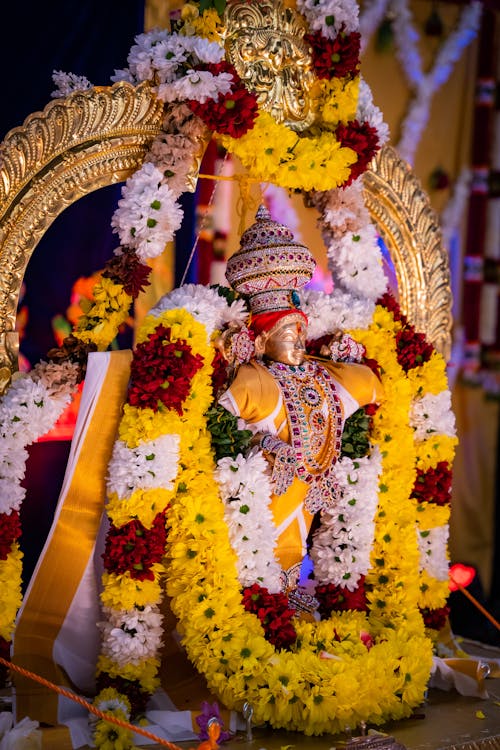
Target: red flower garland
x=161 y=372
x=412 y=347
x=134 y=549
x=10 y=530
x=126 y=269
x=433 y=485
x=230 y=114
x=335 y=598
x=435 y=618
x=361 y=138
x=388 y=301
x=274 y=614
x=335 y=58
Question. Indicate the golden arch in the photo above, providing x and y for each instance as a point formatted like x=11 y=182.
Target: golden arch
x=100 y=136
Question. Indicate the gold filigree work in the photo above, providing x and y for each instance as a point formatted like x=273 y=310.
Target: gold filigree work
x=407 y=223
x=265 y=43
x=76 y=145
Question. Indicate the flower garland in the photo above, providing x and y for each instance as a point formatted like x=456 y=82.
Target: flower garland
x=164 y=435
x=294 y=676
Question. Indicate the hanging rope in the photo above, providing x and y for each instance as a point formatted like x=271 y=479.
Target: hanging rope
x=91 y=708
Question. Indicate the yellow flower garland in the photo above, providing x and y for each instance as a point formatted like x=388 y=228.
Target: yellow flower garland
x=315 y=161
x=299 y=689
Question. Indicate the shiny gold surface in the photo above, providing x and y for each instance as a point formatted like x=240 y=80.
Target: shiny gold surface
x=264 y=41
x=405 y=219
x=76 y=145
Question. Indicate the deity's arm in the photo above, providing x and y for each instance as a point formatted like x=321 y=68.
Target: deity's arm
x=255 y=397
x=358 y=385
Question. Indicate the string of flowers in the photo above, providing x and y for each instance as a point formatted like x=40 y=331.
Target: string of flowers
x=28 y=410
x=301 y=688
x=234 y=649
x=424 y=85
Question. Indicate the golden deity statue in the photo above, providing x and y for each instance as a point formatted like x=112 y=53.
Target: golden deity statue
x=265 y=43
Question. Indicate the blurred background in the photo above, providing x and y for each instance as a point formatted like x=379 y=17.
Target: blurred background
x=434 y=70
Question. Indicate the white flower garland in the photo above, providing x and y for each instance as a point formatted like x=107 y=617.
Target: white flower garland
x=246 y=491
x=153 y=463
x=341 y=547
x=426 y=84
x=204 y=304
x=432 y=414
x=29 y=409
x=433 y=546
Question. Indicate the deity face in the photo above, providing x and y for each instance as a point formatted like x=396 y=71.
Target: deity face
x=286 y=343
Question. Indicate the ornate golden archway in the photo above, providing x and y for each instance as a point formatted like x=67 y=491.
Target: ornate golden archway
x=99 y=137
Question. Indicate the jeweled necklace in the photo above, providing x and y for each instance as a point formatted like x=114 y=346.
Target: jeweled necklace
x=314 y=414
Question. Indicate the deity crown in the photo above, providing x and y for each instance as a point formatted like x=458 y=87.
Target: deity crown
x=270 y=266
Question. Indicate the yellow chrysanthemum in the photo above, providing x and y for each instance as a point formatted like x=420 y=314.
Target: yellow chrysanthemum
x=124 y=592
x=10 y=590
x=292 y=161
x=143 y=505
x=339 y=100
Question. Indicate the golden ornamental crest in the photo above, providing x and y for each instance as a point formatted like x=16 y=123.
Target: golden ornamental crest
x=265 y=43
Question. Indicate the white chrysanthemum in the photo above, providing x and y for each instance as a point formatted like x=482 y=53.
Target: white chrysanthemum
x=67 y=83
x=433 y=548
x=204 y=304
x=168 y=58
x=29 y=411
x=328 y=313
x=341 y=210
x=330 y=16
x=11 y=492
x=123 y=74
x=151 y=464
x=148 y=215
x=131 y=636
x=141 y=53
x=173 y=155
x=355 y=261
x=179 y=119
x=205 y=51
x=432 y=414
x=367 y=111
x=246 y=491
x=342 y=545
x=199 y=85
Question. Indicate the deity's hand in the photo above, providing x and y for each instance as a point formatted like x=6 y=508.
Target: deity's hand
x=283 y=460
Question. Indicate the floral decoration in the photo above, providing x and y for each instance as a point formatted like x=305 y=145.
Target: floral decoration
x=187 y=504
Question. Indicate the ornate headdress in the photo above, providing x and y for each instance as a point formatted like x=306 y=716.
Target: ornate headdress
x=269 y=268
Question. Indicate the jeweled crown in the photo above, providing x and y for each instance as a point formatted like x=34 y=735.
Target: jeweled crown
x=270 y=266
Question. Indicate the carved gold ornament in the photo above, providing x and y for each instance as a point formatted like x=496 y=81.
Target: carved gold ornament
x=409 y=226
x=264 y=41
x=76 y=145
